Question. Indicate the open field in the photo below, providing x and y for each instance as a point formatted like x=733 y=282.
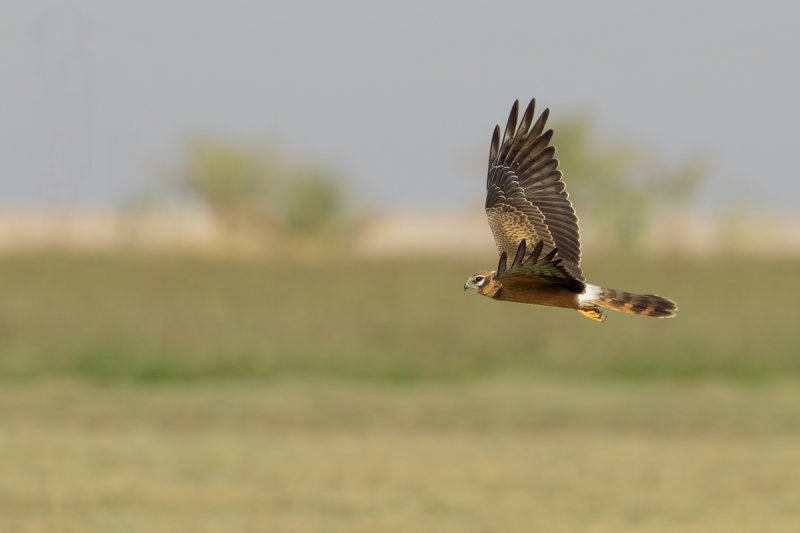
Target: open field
x=497 y=456
x=158 y=393
x=167 y=318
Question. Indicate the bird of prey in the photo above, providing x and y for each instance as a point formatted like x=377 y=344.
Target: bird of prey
x=536 y=230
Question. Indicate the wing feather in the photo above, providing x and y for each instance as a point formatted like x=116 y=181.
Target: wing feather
x=508 y=135
x=521 y=137
x=538 y=128
x=525 y=195
x=502 y=264
x=548 y=267
x=493 y=151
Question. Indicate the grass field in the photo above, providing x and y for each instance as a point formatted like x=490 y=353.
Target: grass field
x=306 y=457
x=178 y=319
x=183 y=394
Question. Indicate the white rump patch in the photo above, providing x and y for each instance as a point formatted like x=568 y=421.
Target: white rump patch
x=590 y=293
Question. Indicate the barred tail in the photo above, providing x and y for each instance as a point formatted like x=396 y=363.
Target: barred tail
x=637 y=304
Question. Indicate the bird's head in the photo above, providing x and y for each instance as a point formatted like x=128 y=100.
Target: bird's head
x=483 y=282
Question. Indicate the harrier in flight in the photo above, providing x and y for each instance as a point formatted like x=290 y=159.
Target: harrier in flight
x=536 y=230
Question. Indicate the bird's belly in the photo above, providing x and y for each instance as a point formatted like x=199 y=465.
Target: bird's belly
x=539 y=294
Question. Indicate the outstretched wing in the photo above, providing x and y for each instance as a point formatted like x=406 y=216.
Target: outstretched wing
x=548 y=267
x=525 y=197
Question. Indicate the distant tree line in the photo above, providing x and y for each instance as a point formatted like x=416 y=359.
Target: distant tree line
x=261 y=197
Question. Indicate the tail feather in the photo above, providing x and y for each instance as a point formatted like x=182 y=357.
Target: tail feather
x=637 y=304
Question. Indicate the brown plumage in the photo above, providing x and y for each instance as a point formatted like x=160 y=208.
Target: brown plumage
x=534 y=223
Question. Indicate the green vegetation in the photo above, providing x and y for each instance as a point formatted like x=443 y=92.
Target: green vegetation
x=168 y=394
x=260 y=196
x=155 y=319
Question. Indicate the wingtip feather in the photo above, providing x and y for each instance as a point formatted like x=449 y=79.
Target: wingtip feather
x=495 y=146
x=502 y=264
x=538 y=127
x=537 y=250
x=511 y=125
x=520 y=255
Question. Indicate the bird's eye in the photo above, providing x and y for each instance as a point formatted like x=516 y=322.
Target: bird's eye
x=478 y=279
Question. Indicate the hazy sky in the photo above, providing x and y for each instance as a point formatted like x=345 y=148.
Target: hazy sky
x=400 y=97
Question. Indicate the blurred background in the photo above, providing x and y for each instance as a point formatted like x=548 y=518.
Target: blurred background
x=233 y=238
